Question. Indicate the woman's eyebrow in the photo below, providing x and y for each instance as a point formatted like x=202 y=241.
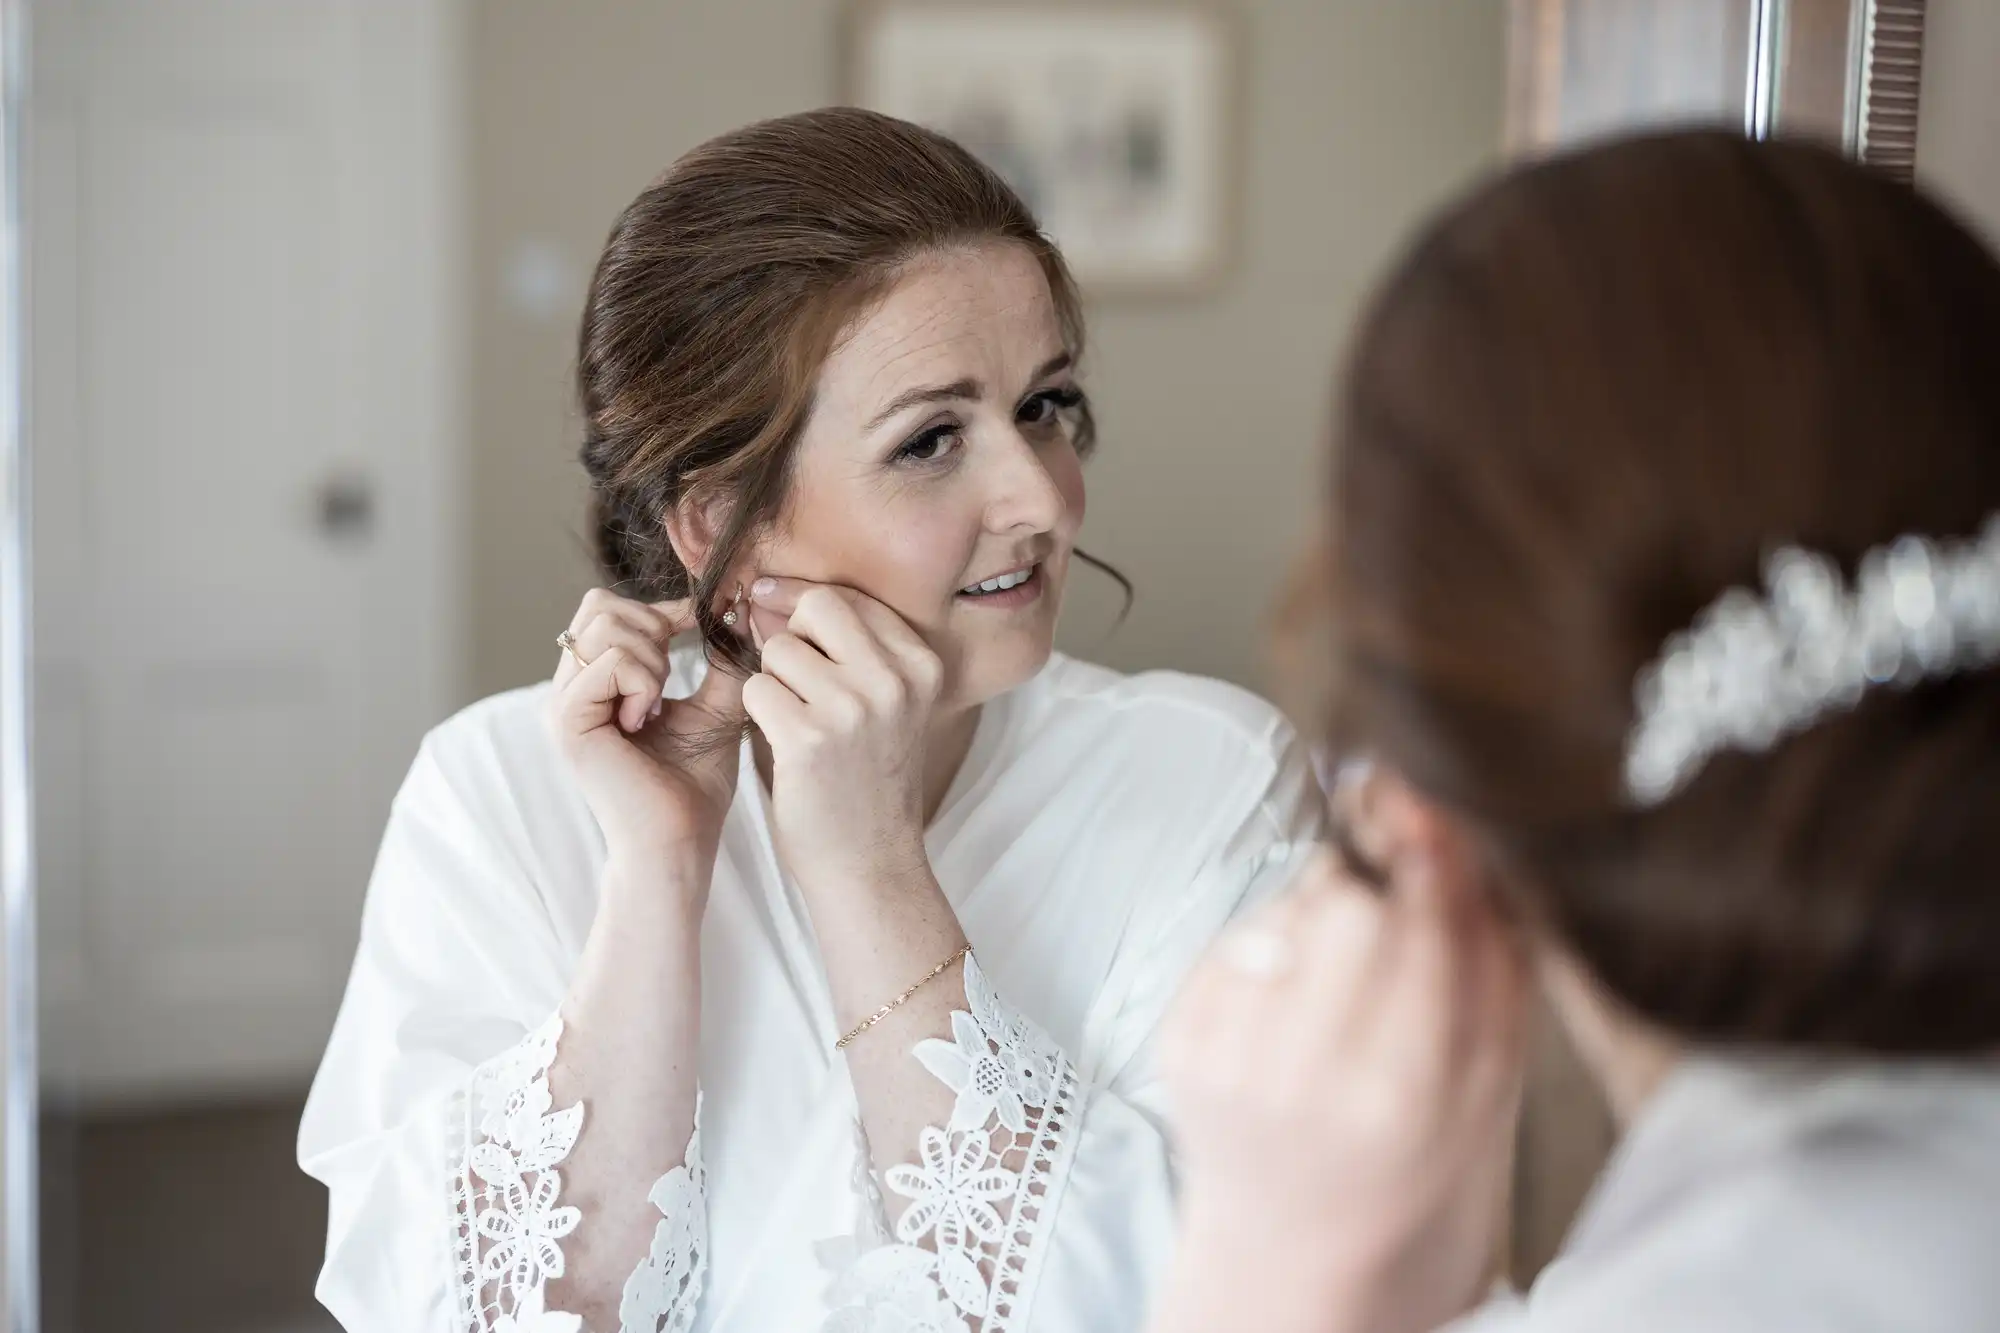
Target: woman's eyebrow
x=937 y=393
x=1060 y=361
x=957 y=391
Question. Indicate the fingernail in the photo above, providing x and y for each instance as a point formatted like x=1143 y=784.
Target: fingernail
x=658 y=704
x=763 y=587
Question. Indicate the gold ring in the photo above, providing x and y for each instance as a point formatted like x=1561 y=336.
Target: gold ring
x=567 y=642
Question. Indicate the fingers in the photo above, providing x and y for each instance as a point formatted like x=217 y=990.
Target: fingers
x=1339 y=936
x=1222 y=1031
x=643 y=665
x=1293 y=980
x=613 y=689
x=774 y=601
x=773 y=706
x=612 y=630
x=1454 y=993
x=809 y=606
x=661 y=620
x=1413 y=1000
x=848 y=626
x=849 y=617
x=1335 y=1034
x=619 y=646
x=699 y=734
x=802 y=669
x=828 y=620
x=764 y=624
x=604 y=620
x=775 y=592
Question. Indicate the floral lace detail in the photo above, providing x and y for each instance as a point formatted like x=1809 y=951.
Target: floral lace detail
x=505 y=1185
x=966 y=1244
x=838 y=1255
x=506 y=1144
x=893 y=1289
x=530 y=1317
x=664 y=1291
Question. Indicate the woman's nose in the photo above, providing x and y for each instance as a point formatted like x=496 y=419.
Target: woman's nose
x=1025 y=496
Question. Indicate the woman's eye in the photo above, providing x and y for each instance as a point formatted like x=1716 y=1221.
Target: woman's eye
x=929 y=446
x=1043 y=408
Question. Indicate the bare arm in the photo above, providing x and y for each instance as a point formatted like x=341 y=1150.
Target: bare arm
x=953 y=1087
x=877 y=937
x=629 y=1054
x=844 y=702
x=625 y=1064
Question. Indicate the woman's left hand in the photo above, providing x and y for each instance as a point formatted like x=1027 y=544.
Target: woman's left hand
x=844 y=700
x=1345 y=1072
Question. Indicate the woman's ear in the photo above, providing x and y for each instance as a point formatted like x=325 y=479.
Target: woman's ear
x=1388 y=820
x=694 y=526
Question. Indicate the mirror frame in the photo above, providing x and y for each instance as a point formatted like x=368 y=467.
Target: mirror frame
x=19 y=1168
x=1846 y=71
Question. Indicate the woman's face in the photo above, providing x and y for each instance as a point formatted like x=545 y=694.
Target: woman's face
x=939 y=458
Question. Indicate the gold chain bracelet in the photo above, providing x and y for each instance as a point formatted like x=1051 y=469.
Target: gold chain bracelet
x=896 y=1003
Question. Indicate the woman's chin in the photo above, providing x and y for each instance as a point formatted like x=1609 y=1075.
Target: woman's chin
x=999 y=648
x=990 y=669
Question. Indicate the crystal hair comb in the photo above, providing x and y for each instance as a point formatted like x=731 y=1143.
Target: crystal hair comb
x=1752 y=670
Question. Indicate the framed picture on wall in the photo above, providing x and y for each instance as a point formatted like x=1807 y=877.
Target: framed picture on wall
x=1114 y=121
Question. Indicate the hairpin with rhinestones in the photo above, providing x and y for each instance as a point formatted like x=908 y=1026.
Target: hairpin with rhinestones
x=1753 y=670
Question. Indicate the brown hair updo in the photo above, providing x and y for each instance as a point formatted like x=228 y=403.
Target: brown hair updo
x=720 y=293
x=1591 y=399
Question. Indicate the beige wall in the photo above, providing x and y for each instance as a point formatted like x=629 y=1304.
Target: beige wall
x=1360 y=115
x=1958 y=121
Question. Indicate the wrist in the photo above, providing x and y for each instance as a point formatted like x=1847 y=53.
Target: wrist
x=669 y=880
x=890 y=867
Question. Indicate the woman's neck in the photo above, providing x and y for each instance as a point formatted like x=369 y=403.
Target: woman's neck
x=949 y=742
x=945 y=749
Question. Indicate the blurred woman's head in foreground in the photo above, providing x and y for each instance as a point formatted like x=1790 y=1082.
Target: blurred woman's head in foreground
x=1595 y=397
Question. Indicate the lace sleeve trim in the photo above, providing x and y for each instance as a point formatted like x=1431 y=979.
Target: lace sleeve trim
x=664 y=1291
x=506 y=1143
x=982 y=1189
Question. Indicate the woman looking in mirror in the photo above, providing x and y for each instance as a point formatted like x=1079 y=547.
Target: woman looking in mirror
x=1665 y=565
x=845 y=1027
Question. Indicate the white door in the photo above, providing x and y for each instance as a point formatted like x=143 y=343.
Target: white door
x=243 y=257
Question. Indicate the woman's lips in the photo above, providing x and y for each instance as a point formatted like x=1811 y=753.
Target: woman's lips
x=1021 y=594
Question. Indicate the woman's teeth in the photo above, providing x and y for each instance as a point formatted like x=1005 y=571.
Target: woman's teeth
x=1001 y=584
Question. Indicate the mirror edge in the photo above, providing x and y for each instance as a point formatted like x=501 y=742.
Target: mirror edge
x=19 y=1167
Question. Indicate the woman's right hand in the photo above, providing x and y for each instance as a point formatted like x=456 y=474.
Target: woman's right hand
x=658 y=773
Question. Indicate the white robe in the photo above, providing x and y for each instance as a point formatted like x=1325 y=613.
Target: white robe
x=1101 y=831
x=1788 y=1196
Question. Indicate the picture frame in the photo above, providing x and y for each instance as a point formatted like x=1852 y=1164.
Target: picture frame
x=1116 y=122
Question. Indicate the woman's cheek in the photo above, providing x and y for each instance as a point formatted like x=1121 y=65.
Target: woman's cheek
x=916 y=564
x=1066 y=471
